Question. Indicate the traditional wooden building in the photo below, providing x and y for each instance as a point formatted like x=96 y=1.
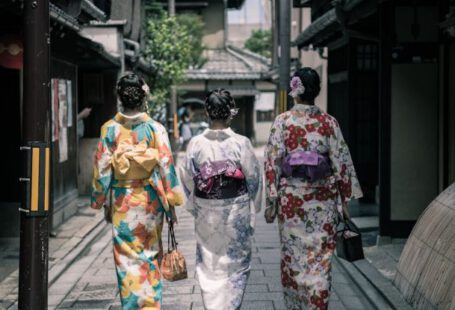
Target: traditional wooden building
x=84 y=70
x=390 y=85
x=242 y=72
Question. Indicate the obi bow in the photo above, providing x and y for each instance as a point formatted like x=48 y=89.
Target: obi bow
x=204 y=178
x=134 y=161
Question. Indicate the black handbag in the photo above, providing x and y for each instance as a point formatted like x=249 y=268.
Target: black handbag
x=349 y=242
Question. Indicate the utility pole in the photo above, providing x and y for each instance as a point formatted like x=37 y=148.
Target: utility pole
x=34 y=227
x=171 y=7
x=172 y=116
x=284 y=53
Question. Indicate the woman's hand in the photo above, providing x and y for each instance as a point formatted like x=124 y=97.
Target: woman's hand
x=270 y=215
x=173 y=216
x=108 y=213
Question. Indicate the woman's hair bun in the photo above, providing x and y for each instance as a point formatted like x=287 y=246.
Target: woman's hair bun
x=219 y=103
x=130 y=90
x=311 y=81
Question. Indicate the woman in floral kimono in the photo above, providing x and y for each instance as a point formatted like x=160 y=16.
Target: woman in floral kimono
x=135 y=160
x=223 y=181
x=309 y=180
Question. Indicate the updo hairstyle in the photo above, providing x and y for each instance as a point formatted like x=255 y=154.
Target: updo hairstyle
x=131 y=92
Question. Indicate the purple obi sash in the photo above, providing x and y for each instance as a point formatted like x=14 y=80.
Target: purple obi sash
x=205 y=177
x=308 y=165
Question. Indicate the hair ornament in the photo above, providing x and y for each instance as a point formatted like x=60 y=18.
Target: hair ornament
x=234 y=111
x=297 y=87
x=146 y=88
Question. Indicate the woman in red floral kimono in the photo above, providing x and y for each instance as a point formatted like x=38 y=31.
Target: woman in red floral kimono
x=310 y=179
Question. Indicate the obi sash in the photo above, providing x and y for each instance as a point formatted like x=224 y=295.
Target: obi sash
x=308 y=165
x=220 y=178
x=134 y=162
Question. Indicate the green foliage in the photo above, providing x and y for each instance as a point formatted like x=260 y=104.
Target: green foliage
x=172 y=45
x=260 y=42
x=195 y=29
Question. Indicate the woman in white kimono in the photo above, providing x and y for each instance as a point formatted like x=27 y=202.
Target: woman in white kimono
x=223 y=182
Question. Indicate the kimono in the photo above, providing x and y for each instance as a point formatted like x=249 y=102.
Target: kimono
x=308 y=212
x=134 y=159
x=224 y=227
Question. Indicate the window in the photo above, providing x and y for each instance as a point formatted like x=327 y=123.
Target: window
x=265 y=116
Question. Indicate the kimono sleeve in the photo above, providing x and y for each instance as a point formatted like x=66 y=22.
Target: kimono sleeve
x=168 y=173
x=253 y=176
x=186 y=170
x=274 y=152
x=343 y=167
x=102 y=169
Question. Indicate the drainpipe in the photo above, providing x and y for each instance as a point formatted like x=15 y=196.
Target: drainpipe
x=134 y=52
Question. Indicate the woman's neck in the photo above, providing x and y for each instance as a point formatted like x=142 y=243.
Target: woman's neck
x=304 y=102
x=130 y=112
x=217 y=125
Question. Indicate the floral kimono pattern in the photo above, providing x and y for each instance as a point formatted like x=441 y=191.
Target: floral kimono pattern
x=224 y=227
x=308 y=211
x=134 y=159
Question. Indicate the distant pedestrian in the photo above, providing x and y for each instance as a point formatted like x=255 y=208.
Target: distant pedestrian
x=135 y=160
x=310 y=179
x=223 y=181
x=185 y=130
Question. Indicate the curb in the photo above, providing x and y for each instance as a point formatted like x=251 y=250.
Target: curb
x=377 y=289
x=369 y=291
x=384 y=286
x=58 y=269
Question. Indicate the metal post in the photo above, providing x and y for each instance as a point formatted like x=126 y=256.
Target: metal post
x=172 y=113
x=284 y=54
x=171 y=7
x=34 y=231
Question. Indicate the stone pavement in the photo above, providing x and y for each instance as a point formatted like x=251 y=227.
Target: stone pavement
x=72 y=238
x=90 y=283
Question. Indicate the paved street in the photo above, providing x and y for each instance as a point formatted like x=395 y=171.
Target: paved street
x=90 y=283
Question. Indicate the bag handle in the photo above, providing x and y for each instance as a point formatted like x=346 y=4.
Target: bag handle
x=348 y=226
x=171 y=241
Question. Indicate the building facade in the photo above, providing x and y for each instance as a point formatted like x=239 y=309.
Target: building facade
x=390 y=85
x=243 y=73
x=88 y=53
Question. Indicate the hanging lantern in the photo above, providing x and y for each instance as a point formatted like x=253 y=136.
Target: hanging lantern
x=11 y=52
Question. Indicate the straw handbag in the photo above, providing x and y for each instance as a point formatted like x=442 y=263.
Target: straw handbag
x=173 y=265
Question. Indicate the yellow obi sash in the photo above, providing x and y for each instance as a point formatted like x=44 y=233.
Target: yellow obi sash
x=134 y=162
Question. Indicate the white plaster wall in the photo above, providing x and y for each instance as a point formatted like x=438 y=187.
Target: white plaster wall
x=109 y=37
x=213 y=17
x=262 y=130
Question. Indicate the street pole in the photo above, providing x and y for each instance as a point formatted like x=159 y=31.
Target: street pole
x=34 y=227
x=171 y=7
x=172 y=118
x=284 y=53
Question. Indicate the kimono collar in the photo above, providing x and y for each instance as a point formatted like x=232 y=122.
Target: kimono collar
x=218 y=134
x=309 y=109
x=130 y=120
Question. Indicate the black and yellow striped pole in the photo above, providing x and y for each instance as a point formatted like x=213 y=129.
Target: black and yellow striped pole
x=35 y=181
x=282 y=101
